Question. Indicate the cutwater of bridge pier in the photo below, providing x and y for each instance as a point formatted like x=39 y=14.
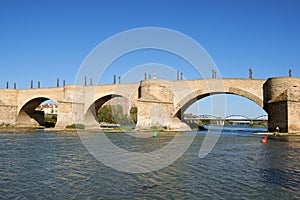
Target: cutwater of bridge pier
x=160 y=103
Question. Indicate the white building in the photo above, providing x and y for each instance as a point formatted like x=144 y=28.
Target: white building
x=51 y=109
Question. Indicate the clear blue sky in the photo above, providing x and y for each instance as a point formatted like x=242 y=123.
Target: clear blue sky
x=45 y=40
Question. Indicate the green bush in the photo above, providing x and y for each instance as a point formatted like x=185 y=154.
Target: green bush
x=50 y=118
x=78 y=126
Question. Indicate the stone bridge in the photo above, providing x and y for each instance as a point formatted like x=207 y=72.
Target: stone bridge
x=160 y=102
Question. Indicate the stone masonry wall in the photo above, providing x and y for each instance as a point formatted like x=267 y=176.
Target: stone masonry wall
x=282 y=98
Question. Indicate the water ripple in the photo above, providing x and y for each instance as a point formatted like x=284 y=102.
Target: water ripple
x=49 y=165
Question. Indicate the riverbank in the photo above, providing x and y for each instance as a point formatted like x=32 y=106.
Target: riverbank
x=19 y=129
x=35 y=128
x=284 y=137
x=129 y=131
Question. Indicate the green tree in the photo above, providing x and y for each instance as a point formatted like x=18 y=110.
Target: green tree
x=105 y=114
x=133 y=114
x=115 y=115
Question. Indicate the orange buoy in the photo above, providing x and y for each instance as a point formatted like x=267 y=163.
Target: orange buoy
x=264 y=139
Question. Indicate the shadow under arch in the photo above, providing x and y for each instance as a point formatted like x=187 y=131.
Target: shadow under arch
x=90 y=116
x=197 y=95
x=28 y=116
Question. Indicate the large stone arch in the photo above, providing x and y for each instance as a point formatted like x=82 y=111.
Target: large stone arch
x=26 y=114
x=188 y=100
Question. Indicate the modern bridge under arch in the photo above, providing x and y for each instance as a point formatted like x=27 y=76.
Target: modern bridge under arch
x=193 y=117
x=193 y=97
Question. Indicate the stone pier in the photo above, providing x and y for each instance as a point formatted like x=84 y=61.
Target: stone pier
x=282 y=103
x=155 y=107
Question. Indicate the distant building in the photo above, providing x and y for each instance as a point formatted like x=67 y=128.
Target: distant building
x=49 y=109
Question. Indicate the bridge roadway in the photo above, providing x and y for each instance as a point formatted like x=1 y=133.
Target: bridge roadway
x=160 y=102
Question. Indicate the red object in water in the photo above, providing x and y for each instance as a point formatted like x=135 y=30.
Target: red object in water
x=264 y=139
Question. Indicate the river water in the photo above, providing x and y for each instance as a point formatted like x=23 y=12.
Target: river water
x=56 y=165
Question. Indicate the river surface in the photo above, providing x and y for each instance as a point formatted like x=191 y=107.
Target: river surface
x=56 y=165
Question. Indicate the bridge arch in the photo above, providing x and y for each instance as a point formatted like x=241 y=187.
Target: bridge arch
x=90 y=115
x=95 y=105
x=188 y=100
x=27 y=114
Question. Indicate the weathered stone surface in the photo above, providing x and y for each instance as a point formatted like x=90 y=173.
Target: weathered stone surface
x=282 y=103
x=17 y=107
x=160 y=102
x=155 y=107
x=8 y=114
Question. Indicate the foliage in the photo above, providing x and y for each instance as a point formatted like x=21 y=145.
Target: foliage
x=105 y=114
x=133 y=114
x=78 y=126
x=115 y=115
x=50 y=118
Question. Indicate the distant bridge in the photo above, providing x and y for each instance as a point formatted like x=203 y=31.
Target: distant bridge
x=228 y=118
x=236 y=119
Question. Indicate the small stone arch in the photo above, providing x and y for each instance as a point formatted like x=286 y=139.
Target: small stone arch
x=198 y=94
x=90 y=116
x=95 y=106
x=27 y=115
